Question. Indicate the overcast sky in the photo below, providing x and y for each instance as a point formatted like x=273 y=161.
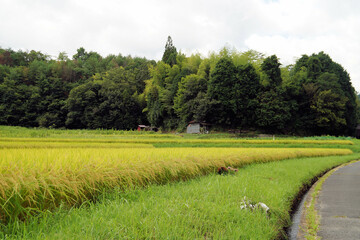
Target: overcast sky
x=287 y=28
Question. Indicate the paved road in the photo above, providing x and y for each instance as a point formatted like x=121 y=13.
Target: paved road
x=339 y=204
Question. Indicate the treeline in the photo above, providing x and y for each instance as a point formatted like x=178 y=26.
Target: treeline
x=229 y=89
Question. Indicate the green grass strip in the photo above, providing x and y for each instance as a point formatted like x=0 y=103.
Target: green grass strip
x=203 y=208
x=16 y=131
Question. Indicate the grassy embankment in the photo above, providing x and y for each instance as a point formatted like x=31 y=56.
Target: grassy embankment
x=22 y=132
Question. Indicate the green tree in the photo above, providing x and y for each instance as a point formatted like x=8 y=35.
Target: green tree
x=80 y=54
x=80 y=104
x=154 y=109
x=222 y=87
x=118 y=109
x=191 y=93
x=247 y=89
x=170 y=53
x=4 y=72
x=320 y=70
x=51 y=108
x=329 y=110
x=18 y=103
x=271 y=68
x=273 y=112
x=160 y=93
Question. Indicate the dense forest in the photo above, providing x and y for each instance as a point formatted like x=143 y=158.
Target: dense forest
x=229 y=89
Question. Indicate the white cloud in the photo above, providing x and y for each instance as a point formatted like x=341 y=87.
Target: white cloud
x=287 y=28
x=306 y=27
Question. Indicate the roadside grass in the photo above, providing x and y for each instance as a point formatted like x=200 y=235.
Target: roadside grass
x=202 y=208
x=36 y=180
x=312 y=219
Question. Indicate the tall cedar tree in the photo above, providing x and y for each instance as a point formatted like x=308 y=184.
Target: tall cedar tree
x=273 y=112
x=271 y=68
x=222 y=87
x=248 y=83
x=170 y=53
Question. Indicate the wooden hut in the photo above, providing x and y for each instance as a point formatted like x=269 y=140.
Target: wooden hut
x=357 y=131
x=143 y=128
x=197 y=127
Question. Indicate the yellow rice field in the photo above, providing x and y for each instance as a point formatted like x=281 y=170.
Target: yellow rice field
x=33 y=180
x=180 y=140
x=76 y=144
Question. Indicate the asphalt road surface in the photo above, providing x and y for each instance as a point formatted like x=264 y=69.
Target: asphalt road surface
x=339 y=204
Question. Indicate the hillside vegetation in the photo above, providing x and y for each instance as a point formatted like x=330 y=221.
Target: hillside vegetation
x=228 y=89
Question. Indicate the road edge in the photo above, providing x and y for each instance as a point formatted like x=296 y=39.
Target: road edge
x=310 y=219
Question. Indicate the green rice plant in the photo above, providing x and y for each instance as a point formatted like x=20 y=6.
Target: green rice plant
x=34 y=180
x=12 y=131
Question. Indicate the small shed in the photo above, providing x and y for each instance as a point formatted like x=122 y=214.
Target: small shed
x=143 y=128
x=197 y=127
x=154 y=129
x=147 y=128
x=357 y=131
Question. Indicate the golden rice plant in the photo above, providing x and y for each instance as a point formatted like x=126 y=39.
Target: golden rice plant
x=76 y=144
x=181 y=140
x=34 y=180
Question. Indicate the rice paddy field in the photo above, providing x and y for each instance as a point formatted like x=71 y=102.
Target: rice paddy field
x=107 y=184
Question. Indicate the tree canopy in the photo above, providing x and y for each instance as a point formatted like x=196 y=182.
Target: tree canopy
x=229 y=89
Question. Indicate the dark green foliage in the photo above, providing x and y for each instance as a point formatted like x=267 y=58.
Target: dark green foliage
x=329 y=110
x=52 y=106
x=4 y=71
x=169 y=56
x=191 y=102
x=271 y=68
x=154 y=107
x=34 y=91
x=274 y=112
x=222 y=89
x=228 y=90
x=13 y=58
x=109 y=101
x=18 y=103
x=316 y=75
x=247 y=90
x=314 y=68
x=80 y=104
